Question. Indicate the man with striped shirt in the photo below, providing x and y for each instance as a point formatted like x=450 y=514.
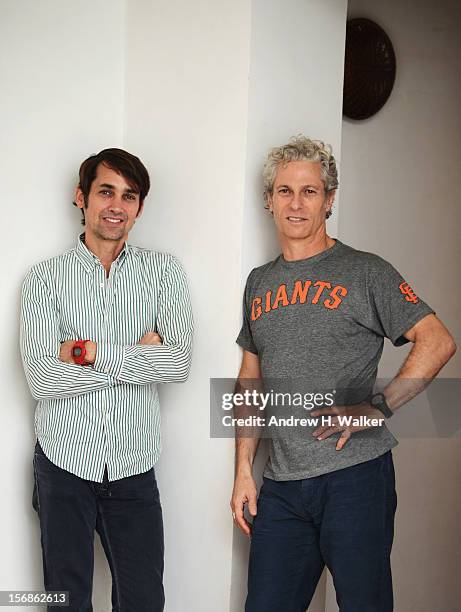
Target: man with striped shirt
x=101 y=325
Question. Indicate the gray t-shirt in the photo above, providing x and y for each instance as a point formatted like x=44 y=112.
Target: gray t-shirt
x=320 y=323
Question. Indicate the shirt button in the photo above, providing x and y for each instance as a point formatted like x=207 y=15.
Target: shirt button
x=106 y=370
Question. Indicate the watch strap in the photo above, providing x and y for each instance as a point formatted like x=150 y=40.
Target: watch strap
x=378 y=400
x=79 y=352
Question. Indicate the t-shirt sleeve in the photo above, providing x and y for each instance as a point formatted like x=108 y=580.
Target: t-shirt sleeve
x=395 y=306
x=245 y=337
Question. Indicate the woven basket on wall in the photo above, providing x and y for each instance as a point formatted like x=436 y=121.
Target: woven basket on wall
x=369 y=70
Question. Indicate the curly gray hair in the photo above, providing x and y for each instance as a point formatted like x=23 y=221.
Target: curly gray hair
x=300 y=148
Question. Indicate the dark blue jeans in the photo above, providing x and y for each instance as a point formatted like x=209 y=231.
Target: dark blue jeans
x=345 y=520
x=126 y=514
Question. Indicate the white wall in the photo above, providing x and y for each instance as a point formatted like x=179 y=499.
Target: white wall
x=399 y=198
x=200 y=91
x=62 y=91
x=186 y=113
x=295 y=86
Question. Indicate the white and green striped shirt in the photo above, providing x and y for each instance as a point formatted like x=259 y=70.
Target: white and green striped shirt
x=106 y=414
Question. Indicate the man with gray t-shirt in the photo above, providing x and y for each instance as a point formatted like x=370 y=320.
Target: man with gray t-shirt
x=314 y=323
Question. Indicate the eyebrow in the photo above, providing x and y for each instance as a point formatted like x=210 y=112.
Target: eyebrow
x=302 y=186
x=108 y=186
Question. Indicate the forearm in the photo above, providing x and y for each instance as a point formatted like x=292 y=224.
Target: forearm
x=247 y=437
x=145 y=364
x=245 y=453
x=423 y=363
x=50 y=378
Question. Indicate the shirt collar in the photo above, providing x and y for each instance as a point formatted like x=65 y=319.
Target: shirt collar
x=90 y=260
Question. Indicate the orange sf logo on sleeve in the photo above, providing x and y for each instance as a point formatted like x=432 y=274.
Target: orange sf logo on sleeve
x=408 y=292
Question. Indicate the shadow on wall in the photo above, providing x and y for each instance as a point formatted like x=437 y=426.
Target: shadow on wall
x=241 y=544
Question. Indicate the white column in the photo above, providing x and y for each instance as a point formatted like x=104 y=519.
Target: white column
x=295 y=86
x=186 y=114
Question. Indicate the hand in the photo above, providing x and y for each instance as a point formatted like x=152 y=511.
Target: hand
x=90 y=355
x=355 y=411
x=65 y=352
x=244 y=493
x=151 y=338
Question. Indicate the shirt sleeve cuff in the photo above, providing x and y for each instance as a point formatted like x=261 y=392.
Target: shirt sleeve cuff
x=398 y=339
x=109 y=359
x=247 y=346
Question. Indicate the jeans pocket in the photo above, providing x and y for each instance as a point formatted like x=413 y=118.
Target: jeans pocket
x=155 y=487
x=145 y=485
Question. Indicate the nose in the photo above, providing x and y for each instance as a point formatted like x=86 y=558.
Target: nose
x=296 y=203
x=116 y=204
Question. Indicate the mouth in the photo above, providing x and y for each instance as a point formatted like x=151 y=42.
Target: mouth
x=296 y=220
x=113 y=220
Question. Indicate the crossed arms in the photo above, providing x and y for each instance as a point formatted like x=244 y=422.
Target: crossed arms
x=49 y=373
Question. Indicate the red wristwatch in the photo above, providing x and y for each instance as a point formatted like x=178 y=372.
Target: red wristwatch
x=79 y=352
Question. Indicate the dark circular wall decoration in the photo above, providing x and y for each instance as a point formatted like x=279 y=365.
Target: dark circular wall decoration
x=369 y=69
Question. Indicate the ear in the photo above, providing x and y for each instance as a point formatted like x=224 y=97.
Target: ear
x=140 y=209
x=79 y=199
x=270 y=203
x=330 y=198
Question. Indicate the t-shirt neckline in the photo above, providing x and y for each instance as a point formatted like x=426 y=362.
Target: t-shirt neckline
x=313 y=259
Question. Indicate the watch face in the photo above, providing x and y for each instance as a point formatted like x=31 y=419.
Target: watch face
x=76 y=351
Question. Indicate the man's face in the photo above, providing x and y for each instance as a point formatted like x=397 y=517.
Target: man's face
x=112 y=206
x=298 y=202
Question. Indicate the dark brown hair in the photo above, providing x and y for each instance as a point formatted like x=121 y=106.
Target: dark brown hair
x=126 y=164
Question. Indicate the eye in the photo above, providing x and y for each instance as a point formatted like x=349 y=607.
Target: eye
x=309 y=191
x=283 y=190
x=130 y=196
x=105 y=192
